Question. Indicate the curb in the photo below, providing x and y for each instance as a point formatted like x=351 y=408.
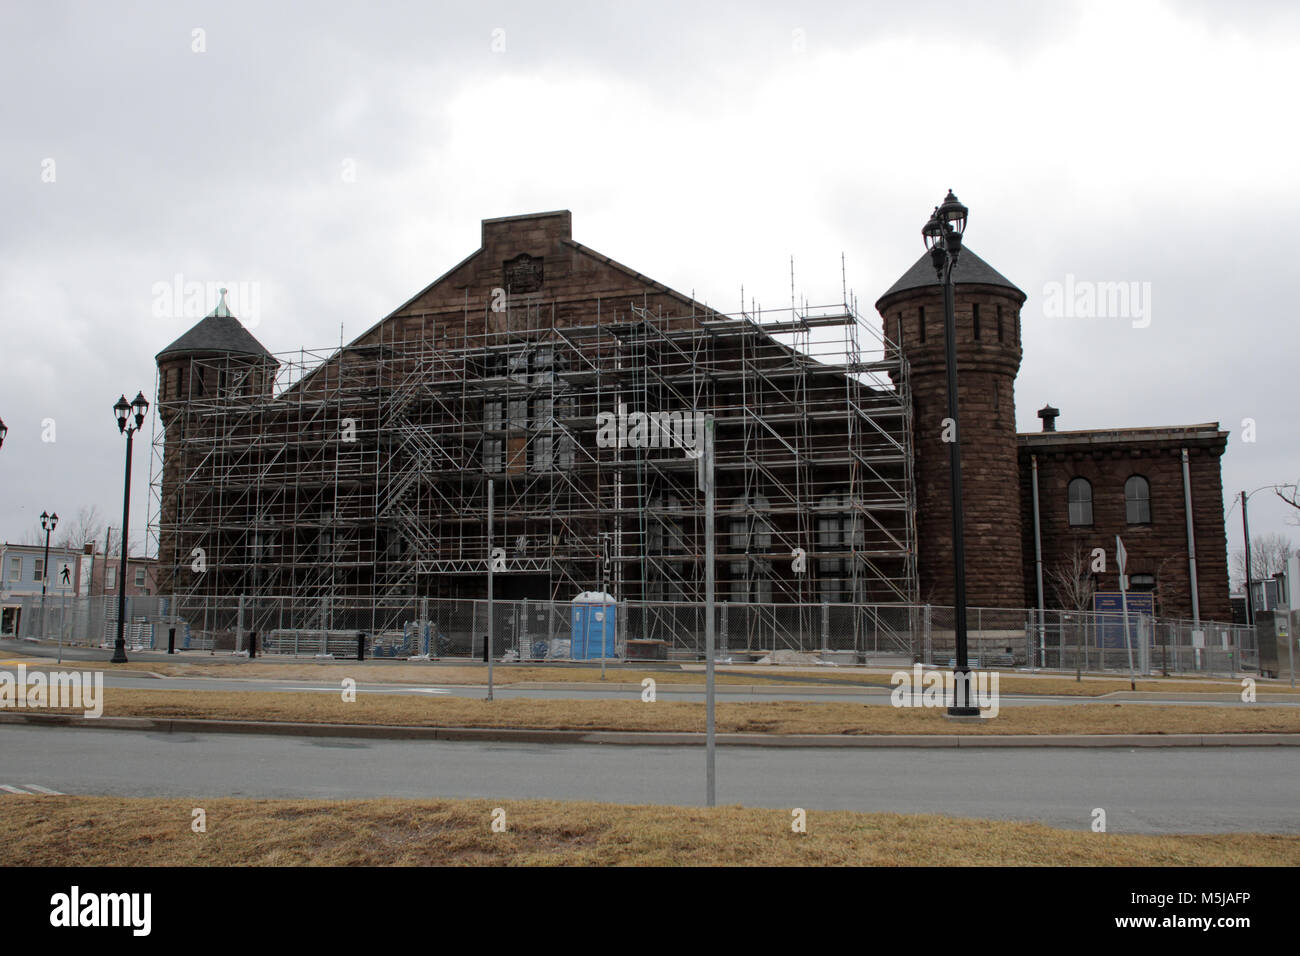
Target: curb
x=168 y=725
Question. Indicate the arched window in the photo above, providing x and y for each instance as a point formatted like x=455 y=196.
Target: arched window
x=1137 y=500
x=1080 y=495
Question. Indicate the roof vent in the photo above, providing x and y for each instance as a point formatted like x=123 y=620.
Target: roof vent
x=1049 y=415
x=222 y=310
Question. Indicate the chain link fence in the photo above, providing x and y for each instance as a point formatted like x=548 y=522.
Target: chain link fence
x=545 y=630
x=1083 y=640
x=91 y=621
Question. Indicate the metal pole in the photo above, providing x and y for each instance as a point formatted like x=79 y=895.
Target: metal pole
x=1292 y=599
x=1078 y=652
x=45 y=572
x=489 y=596
x=1038 y=565
x=1290 y=648
x=1123 y=600
x=63 y=614
x=1245 y=530
x=961 y=700
x=709 y=742
x=1191 y=541
x=1284 y=613
x=119 y=647
x=603 y=610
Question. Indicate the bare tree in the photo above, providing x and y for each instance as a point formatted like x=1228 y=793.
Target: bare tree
x=1072 y=580
x=1293 y=499
x=33 y=535
x=1268 y=555
x=110 y=539
x=86 y=528
x=1161 y=590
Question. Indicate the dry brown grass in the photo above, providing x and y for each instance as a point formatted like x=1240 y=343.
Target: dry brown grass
x=405 y=673
x=112 y=831
x=469 y=674
x=773 y=717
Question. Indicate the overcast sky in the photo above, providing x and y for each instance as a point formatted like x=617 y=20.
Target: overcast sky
x=341 y=155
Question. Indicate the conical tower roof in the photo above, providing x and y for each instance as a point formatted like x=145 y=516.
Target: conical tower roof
x=219 y=331
x=970 y=269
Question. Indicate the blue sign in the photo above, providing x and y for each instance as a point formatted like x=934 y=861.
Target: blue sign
x=1110 y=616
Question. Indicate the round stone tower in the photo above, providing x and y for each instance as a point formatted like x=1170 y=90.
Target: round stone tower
x=988 y=357
x=216 y=361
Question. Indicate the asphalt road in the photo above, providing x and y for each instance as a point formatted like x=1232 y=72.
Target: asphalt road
x=1175 y=790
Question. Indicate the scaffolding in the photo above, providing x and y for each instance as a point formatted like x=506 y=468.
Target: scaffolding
x=356 y=476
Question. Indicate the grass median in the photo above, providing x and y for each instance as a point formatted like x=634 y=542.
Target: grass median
x=114 y=831
x=768 y=717
x=476 y=674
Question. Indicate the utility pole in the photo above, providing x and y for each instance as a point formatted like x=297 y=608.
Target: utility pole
x=707 y=476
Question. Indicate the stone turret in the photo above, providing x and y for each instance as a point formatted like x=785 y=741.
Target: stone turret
x=217 y=358
x=216 y=361
x=988 y=358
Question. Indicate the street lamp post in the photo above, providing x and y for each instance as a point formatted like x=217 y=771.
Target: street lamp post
x=48 y=524
x=137 y=407
x=1245 y=530
x=942 y=235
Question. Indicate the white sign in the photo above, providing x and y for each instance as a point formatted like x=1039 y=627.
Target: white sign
x=64 y=575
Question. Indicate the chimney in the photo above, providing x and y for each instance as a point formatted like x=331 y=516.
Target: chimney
x=1049 y=414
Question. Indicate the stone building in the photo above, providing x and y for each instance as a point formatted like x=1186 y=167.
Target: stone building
x=1092 y=485
x=1137 y=483
x=360 y=480
x=358 y=477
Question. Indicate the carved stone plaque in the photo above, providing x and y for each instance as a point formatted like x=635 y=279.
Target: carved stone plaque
x=523 y=273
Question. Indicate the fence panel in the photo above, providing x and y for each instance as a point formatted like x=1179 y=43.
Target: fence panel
x=531 y=630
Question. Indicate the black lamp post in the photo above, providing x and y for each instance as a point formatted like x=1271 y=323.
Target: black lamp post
x=942 y=235
x=138 y=406
x=48 y=524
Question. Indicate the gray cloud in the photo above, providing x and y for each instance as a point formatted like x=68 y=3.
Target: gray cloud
x=702 y=145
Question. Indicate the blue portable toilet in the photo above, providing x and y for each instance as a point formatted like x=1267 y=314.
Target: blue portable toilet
x=593 y=616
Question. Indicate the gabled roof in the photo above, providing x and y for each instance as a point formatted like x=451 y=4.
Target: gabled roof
x=970 y=268
x=219 y=331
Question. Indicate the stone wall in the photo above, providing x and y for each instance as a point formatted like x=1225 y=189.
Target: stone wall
x=1107 y=460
